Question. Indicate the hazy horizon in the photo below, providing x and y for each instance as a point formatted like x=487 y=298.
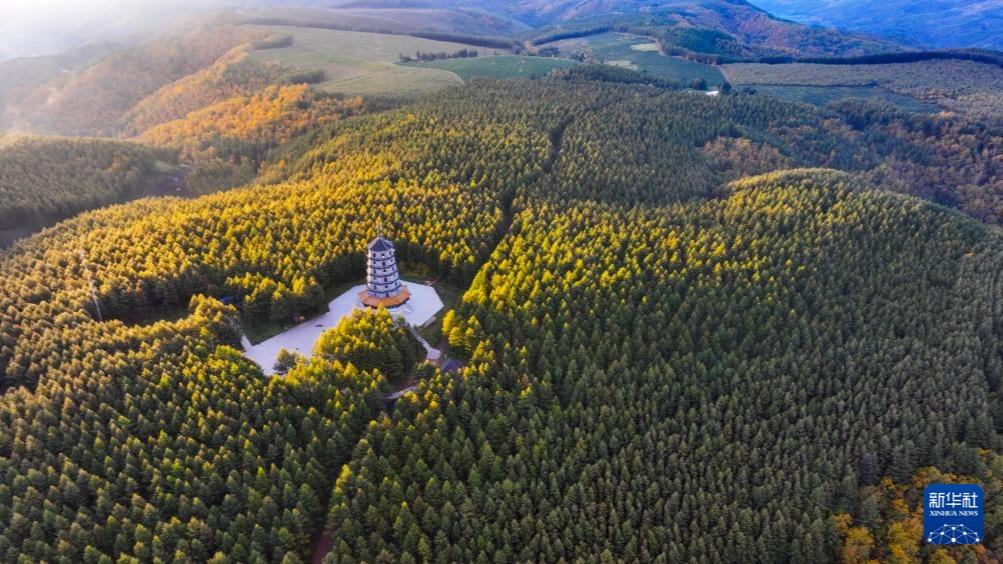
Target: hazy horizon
x=33 y=28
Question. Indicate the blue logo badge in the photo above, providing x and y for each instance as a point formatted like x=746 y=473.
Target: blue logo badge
x=953 y=514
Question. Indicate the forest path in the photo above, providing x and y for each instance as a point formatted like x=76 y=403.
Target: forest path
x=556 y=143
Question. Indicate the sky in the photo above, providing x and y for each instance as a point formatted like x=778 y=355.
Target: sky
x=43 y=27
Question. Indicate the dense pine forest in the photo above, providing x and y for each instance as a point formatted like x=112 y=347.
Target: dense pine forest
x=962 y=85
x=46 y=179
x=226 y=142
x=694 y=328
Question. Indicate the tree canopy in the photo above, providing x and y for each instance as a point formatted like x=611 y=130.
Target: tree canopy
x=667 y=360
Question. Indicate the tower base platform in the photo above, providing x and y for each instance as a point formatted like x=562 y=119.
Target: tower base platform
x=370 y=300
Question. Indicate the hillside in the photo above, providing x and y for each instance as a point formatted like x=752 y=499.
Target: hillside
x=966 y=87
x=941 y=23
x=651 y=347
x=20 y=75
x=91 y=100
x=399 y=21
x=233 y=74
x=226 y=142
x=756 y=32
x=360 y=63
x=46 y=179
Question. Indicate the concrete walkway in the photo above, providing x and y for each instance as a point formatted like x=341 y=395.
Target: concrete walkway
x=432 y=354
x=421 y=308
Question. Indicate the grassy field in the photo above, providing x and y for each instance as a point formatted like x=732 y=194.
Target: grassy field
x=824 y=95
x=502 y=66
x=359 y=63
x=639 y=53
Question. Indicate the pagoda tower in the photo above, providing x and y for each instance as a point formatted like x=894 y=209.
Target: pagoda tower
x=383 y=281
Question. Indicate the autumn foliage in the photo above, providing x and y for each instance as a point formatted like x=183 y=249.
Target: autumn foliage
x=93 y=100
x=233 y=74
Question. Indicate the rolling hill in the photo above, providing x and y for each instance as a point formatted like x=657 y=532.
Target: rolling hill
x=91 y=100
x=46 y=179
x=650 y=342
x=122 y=91
x=400 y=21
x=224 y=143
x=682 y=326
x=732 y=27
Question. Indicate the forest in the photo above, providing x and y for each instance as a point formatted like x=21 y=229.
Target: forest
x=967 y=87
x=695 y=328
x=978 y=55
x=226 y=142
x=639 y=354
x=46 y=179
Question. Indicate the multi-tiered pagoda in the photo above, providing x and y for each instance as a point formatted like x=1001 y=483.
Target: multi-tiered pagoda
x=383 y=281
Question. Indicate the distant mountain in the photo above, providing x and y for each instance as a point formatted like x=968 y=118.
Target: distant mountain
x=33 y=29
x=923 y=23
x=748 y=30
x=722 y=27
x=20 y=75
x=386 y=20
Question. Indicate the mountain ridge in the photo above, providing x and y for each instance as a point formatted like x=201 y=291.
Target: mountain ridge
x=938 y=23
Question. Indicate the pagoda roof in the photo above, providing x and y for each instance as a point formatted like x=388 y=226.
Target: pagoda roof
x=380 y=244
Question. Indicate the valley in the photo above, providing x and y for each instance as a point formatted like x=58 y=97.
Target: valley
x=637 y=52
